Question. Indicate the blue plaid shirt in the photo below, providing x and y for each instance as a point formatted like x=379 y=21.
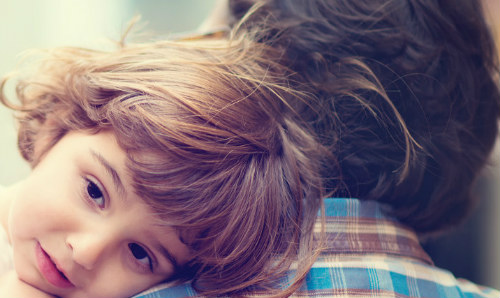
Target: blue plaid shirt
x=368 y=254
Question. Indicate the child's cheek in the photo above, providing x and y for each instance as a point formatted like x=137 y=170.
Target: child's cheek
x=24 y=220
x=34 y=213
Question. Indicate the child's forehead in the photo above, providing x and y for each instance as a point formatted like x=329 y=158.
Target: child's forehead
x=104 y=153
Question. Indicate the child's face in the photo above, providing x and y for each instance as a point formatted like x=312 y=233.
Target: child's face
x=77 y=214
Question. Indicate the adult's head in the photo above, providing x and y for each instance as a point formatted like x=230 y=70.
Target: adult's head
x=407 y=91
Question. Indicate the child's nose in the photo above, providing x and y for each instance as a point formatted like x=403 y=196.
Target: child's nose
x=89 y=248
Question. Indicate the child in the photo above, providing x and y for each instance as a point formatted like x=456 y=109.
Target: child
x=179 y=161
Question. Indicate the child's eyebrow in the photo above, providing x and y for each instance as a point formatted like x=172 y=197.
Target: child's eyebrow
x=111 y=171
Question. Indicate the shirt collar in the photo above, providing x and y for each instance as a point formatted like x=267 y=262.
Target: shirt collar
x=366 y=227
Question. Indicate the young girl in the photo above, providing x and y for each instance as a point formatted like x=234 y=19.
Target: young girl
x=178 y=161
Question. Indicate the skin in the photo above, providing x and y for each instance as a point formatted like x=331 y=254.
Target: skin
x=78 y=205
x=11 y=286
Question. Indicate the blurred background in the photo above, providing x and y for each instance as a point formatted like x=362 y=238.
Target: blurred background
x=471 y=251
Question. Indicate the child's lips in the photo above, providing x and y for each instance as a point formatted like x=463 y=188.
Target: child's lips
x=49 y=269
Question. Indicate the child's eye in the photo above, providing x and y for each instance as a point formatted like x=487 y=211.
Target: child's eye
x=141 y=255
x=95 y=193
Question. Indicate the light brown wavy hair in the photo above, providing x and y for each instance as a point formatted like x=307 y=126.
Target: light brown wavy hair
x=213 y=145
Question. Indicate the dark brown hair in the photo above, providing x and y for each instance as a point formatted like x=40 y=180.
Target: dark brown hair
x=212 y=145
x=407 y=94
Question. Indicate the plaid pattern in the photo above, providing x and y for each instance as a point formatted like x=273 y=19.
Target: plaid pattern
x=368 y=254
